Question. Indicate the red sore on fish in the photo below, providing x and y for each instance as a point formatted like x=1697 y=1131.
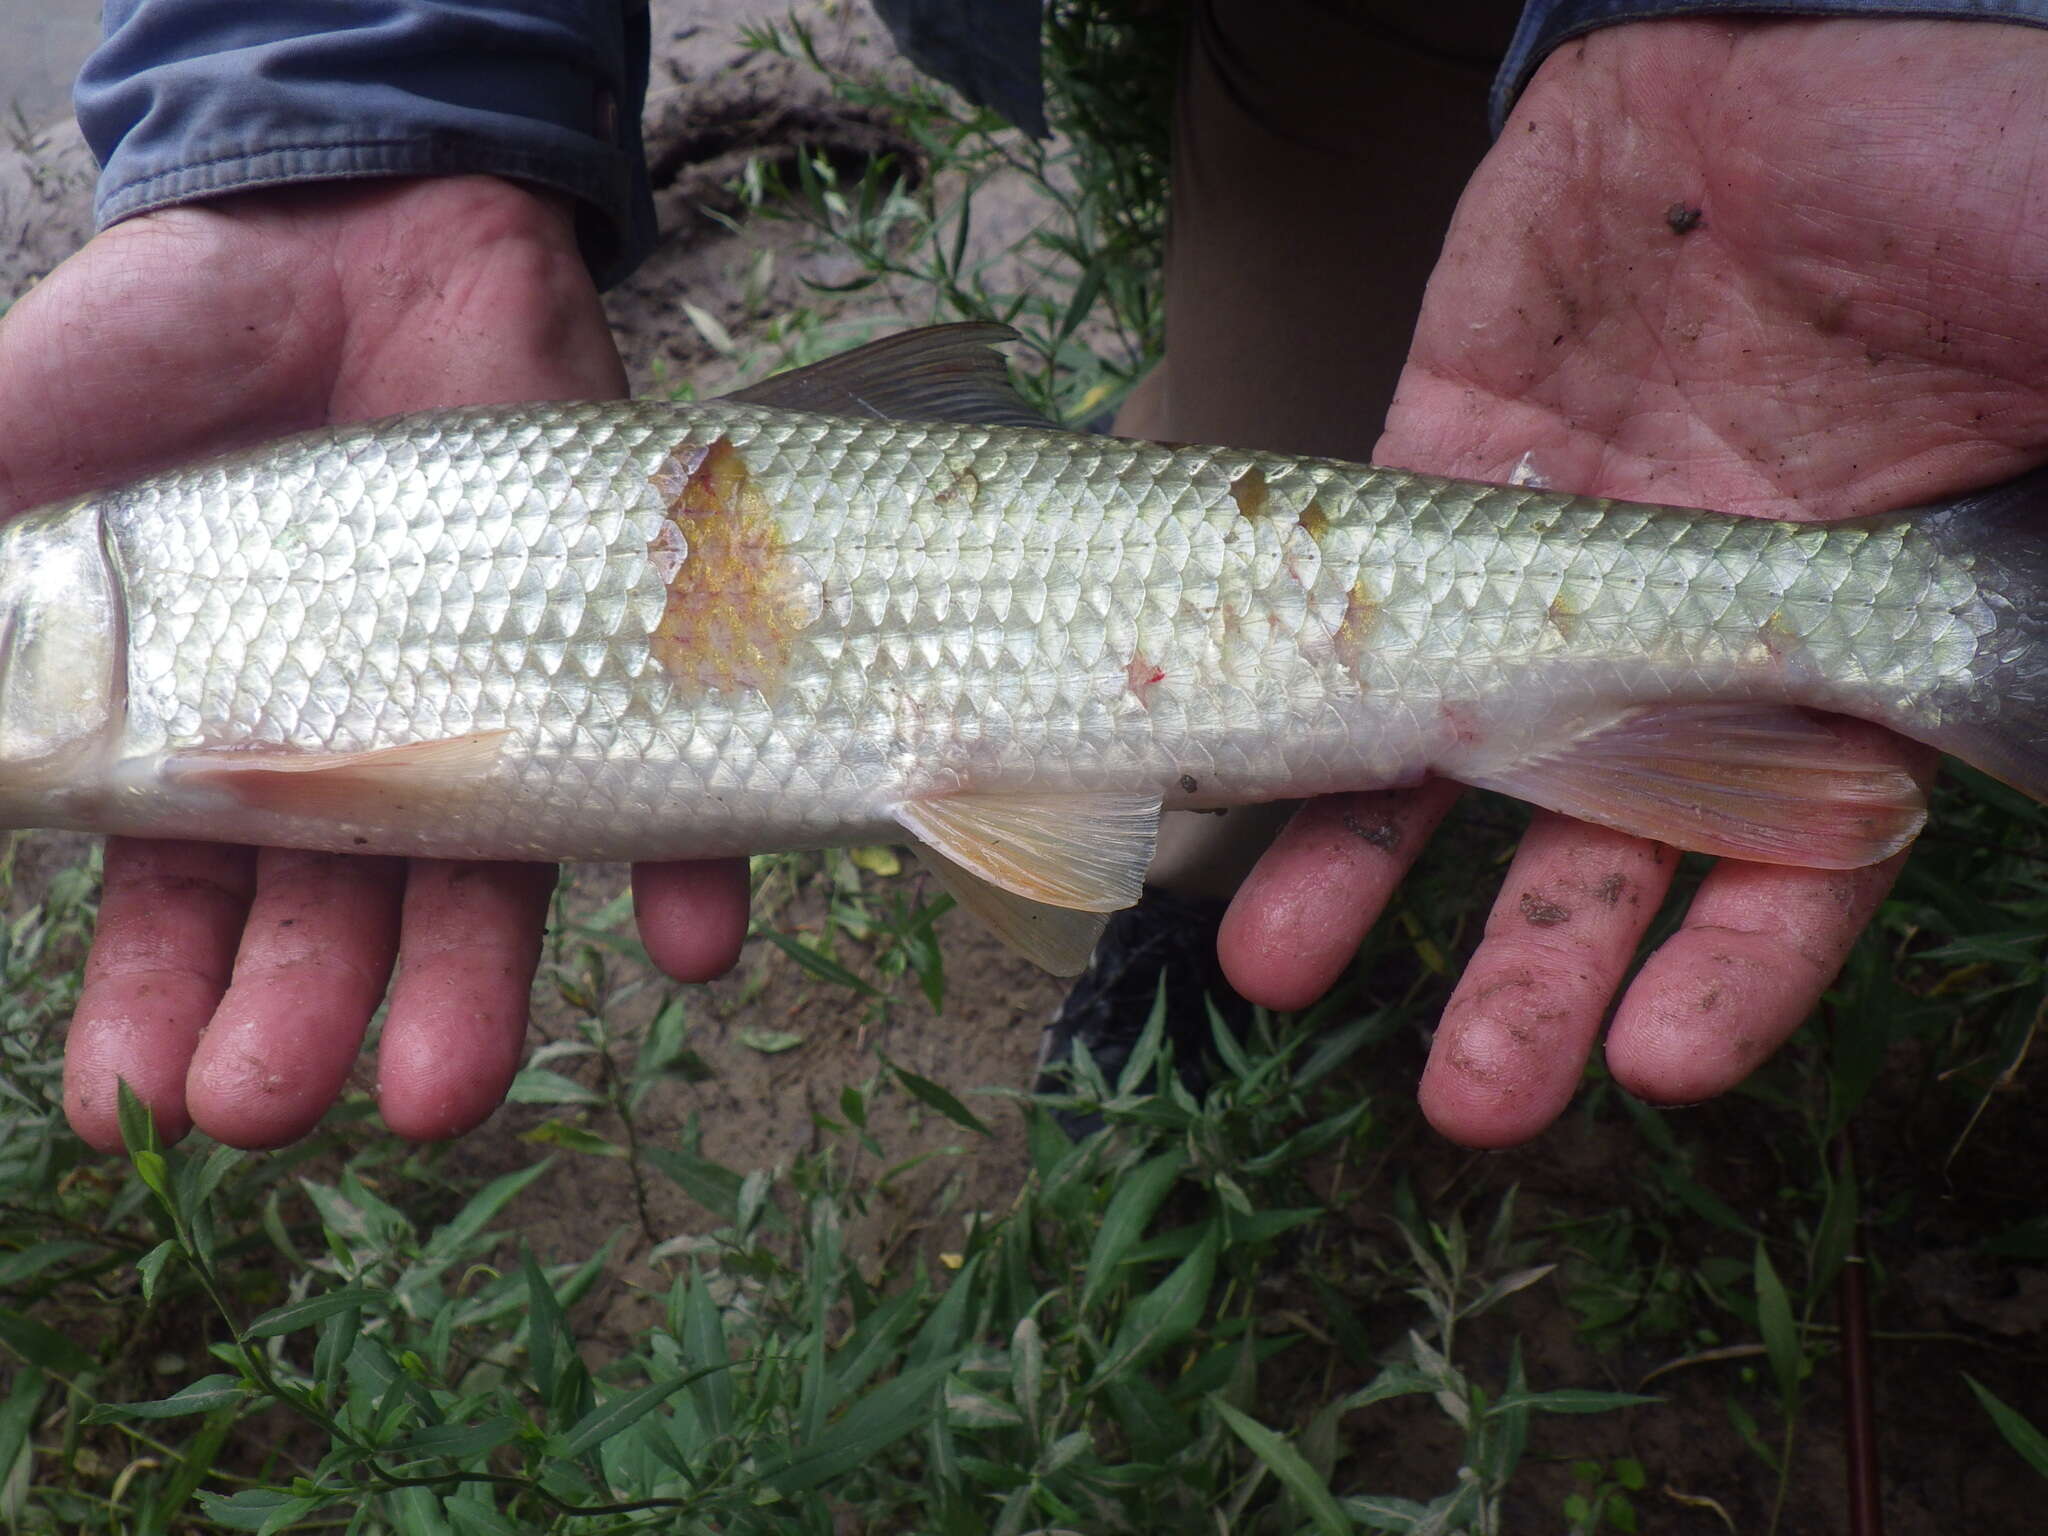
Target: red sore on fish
x=1140 y=676
x=737 y=596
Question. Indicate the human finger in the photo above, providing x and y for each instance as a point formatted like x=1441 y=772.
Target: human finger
x=1306 y=906
x=692 y=915
x=469 y=943
x=1758 y=947
x=314 y=960
x=170 y=914
x=1516 y=1033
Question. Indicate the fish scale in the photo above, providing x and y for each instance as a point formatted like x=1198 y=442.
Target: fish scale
x=636 y=629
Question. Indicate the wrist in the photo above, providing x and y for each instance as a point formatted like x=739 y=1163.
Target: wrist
x=188 y=101
x=1547 y=25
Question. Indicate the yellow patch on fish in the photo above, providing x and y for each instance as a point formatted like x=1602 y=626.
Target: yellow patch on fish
x=962 y=491
x=1562 y=616
x=1776 y=639
x=1353 y=638
x=737 y=597
x=1250 y=493
x=1314 y=521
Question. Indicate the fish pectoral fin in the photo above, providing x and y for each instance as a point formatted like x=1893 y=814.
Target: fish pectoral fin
x=339 y=783
x=1767 y=783
x=937 y=373
x=1055 y=939
x=1088 y=852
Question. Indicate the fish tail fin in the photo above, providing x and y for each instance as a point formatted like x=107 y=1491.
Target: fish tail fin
x=1996 y=717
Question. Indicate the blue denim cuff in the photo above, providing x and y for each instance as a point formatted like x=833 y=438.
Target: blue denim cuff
x=189 y=99
x=1546 y=23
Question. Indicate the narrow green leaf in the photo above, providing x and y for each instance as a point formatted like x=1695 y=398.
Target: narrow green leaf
x=2019 y=1432
x=661 y=1048
x=1027 y=1369
x=929 y=1093
x=770 y=1042
x=1264 y=1226
x=154 y=1171
x=200 y=1177
x=1157 y=1431
x=455 y=1441
x=617 y=1413
x=40 y=1345
x=150 y=1267
x=18 y=1417
x=1780 y=1331
x=543 y=1324
x=1500 y=1452
x=818 y=963
x=876 y=1344
x=1394 y=1381
x=571 y=1138
x=314 y=1309
x=257 y=1509
x=480 y=1520
x=194 y=1466
x=1086 y=292
x=1836 y=1232
x=1168 y=1314
x=138 y=1126
x=202 y=1396
x=454 y=1236
x=18 y=1269
x=1288 y=1465
x=539 y=1085
x=710 y=1184
x=1385 y=1512
x=705 y=1343
x=1131 y=1209
x=1567 y=1400
x=1340 y=1045
x=868 y=1427
x=854 y=1105
x=968 y=1407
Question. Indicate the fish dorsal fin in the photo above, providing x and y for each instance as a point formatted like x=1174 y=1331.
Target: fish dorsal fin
x=940 y=373
x=1056 y=939
x=1746 y=781
x=1088 y=852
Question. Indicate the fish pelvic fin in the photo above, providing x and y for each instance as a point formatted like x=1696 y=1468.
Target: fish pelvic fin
x=1766 y=783
x=1996 y=719
x=1086 y=852
x=1055 y=939
x=1041 y=870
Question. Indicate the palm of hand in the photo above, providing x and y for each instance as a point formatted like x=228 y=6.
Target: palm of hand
x=227 y=987
x=1782 y=268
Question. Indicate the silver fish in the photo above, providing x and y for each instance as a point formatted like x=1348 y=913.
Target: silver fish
x=877 y=599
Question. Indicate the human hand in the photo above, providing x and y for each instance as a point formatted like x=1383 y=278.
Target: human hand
x=1852 y=324
x=231 y=987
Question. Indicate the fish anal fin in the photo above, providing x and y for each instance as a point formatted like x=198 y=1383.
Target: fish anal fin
x=1766 y=783
x=1055 y=939
x=939 y=373
x=340 y=784
x=1088 y=852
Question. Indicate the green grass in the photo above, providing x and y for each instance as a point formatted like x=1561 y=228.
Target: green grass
x=1281 y=1306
